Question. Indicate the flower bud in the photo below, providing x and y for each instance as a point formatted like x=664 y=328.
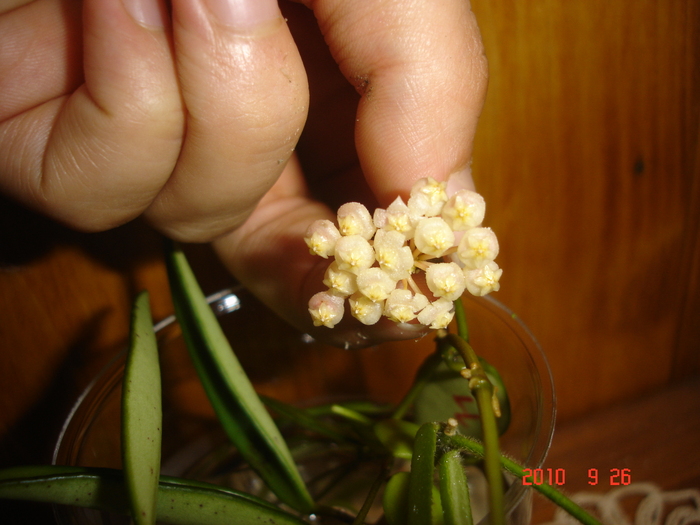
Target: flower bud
x=401 y=306
x=477 y=247
x=365 y=310
x=393 y=256
x=433 y=236
x=326 y=309
x=445 y=280
x=341 y=282
x=484 y=280
x=353 y=253
x=464 y=210
x=437 y=314
x=375 y=284
x=354 y=219
x=399 y=218
x=321 y=237
x=428 y=196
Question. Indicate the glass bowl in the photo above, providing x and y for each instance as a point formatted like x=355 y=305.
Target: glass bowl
x=294 y=368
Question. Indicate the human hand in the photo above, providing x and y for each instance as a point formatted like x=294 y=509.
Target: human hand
x=193 y=122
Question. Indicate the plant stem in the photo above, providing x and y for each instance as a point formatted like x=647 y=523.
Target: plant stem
x=423 y=375
x=482 y=390
x=372 y=495
x=460 y=316
x=351 y=415
x=554 y=495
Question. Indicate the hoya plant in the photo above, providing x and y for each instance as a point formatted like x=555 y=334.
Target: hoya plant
x=411 y=263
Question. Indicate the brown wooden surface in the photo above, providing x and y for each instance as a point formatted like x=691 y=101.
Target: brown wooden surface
x=587 y=154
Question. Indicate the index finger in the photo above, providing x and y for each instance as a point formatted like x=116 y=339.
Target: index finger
x=422 y=73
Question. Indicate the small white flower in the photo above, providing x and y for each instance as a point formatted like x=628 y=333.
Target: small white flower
x=326 y=309
x=437 y=314
x=484 y=280
x=428 y=196
x=446 y=280
x=400 y=218
x=353 y=253
x=433 y=236
x=402 y=306
x=393 y=256
x=354 y=219
x=375 y=284
x=464 y=210
x=365 y=310
x=342 y=282
x=477 y=247
x=321 y=237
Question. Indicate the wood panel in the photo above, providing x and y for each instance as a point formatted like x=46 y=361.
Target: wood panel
x=587 y=155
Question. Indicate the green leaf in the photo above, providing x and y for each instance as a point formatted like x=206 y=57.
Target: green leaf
x=447 y=395
x=142 y=415
x=242 y=414
x=397 y=436
x=454 y=491
x=395 y=501
x=422 y=493
x=180 y=502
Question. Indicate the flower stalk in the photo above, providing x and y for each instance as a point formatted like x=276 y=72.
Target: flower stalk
x=482 y=390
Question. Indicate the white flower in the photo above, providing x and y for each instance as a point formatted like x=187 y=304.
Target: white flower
x=433 y=236
x=353 y=253
x=437 y=314
x=477 y=247
x=402 y=306
x=354 y=219
x=445 y=280
x=326 y=309
x=375 y=284
x=484 y=280
x=342 y=282
x=400 y=218
x=427 y=197
x=379 y=218
x=393 y=256
x=321 y=237
x=464 y=210
x=365 y=310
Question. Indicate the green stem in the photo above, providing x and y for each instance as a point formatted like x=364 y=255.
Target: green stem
x=351 y=415
x=372 y=495
x=423 y=375
x=460 y=316
x=477 y=449
x=482 y=389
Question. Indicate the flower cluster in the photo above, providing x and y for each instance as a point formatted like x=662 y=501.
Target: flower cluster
x=376 y=257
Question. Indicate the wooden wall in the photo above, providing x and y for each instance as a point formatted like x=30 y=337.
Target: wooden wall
x=587 y=153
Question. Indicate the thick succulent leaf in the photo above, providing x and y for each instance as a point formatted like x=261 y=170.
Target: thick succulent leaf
x=454 y=491
x=180 y=502
x=237 y=405
x=142 y=415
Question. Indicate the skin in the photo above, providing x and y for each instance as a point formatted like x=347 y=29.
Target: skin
x=194 y=118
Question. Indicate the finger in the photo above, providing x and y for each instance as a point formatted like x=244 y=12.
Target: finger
x=40 y=57
x=268 y=255
x=421 y=70
x=246 y=95
x=98 y=157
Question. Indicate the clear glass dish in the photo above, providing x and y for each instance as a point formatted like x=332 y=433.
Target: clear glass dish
x=292 y=367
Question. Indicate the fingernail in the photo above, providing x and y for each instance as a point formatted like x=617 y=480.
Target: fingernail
x=244 y=14
x=460 y=180
x=148 y=13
